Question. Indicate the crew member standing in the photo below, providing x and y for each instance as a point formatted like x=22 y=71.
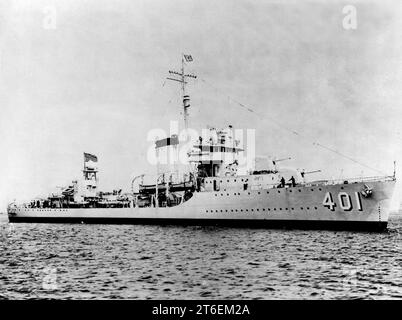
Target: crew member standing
x=293 y=181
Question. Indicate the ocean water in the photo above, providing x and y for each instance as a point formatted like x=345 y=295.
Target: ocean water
x=67 y=261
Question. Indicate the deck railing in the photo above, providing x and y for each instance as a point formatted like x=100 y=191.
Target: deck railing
x=351 y=180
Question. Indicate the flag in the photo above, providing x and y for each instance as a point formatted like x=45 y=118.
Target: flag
x=90 y=157
x=188 y=57
x=173 y=140
x=90 y=161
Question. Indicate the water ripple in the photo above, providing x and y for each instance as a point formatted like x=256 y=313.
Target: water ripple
x=152 y=262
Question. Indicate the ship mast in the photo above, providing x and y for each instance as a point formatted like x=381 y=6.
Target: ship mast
x=182 y=79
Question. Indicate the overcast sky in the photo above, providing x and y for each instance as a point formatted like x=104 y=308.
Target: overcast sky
x=89 y=76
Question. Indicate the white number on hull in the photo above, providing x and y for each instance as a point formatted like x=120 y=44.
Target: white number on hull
x=345 y=201
x=358 y=201
x=329 y=202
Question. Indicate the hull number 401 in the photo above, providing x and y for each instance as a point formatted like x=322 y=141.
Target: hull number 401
x=344 y=200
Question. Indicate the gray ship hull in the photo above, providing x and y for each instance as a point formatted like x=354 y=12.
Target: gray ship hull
x=339 y=206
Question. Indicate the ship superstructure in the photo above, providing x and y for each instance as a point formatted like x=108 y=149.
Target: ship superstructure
x=215 y=189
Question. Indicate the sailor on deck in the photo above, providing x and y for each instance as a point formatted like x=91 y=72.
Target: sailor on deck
x=293 y=181
x=282 y=185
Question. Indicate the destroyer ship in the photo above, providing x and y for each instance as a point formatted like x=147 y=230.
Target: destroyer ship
x=214 y=191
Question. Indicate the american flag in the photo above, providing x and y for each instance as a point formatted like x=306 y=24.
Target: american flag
x=90 y=157
x=188 y=57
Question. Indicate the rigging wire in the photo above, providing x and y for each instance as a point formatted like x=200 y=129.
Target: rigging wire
x=314 y=143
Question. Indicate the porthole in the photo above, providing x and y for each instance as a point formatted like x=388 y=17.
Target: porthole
x=206 y=211
x=341 y=188
x=299 y=190
x=241 y=210
x=274 y=209
x=290 y=190
x=312 y=189
x=286 y=208
x=252 y=209
x=267 y=192
x=279 y=191
x=269 y=209
x=319 y=189
x=301 y=208
x=315 y=208
x=259 y=192
x=263 y=209
x=246 y=210
x=308 y=208
x=228 y=194
x=293 y=208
